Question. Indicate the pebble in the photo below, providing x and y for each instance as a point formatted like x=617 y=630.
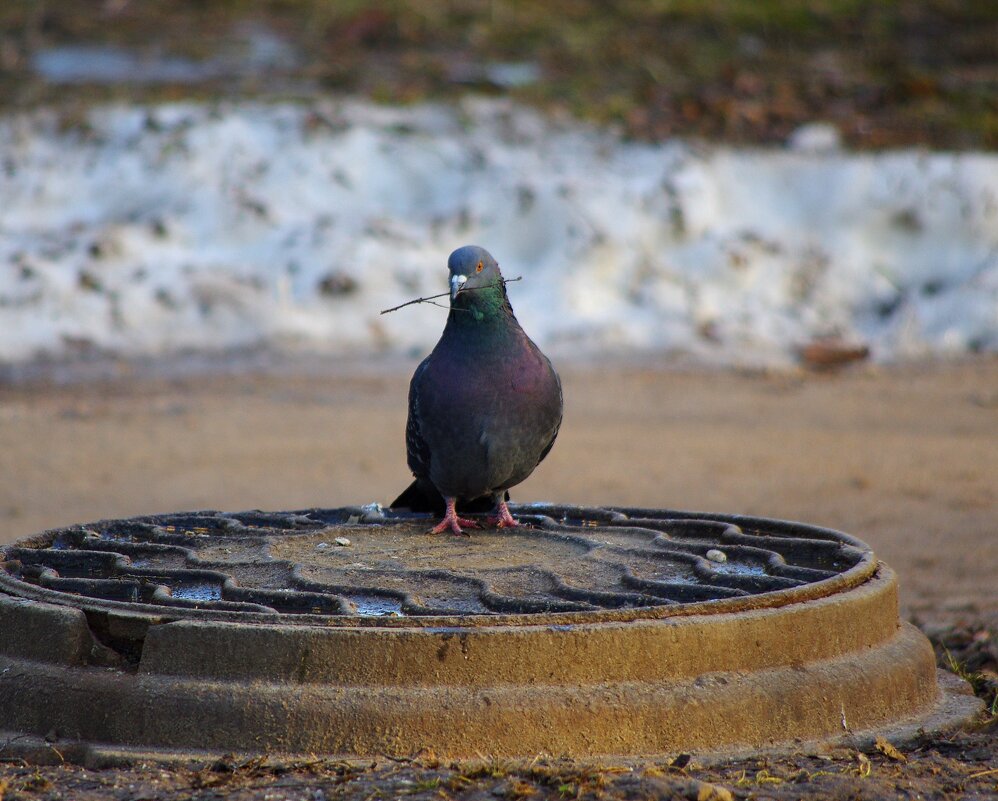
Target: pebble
x=322 y=546
x=717 y=556
x=372 y=513
x=342 y=541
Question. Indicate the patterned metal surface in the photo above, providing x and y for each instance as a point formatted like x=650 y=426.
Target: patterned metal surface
x=364 y=564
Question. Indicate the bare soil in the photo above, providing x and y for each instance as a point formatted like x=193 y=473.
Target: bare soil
x=905 y=458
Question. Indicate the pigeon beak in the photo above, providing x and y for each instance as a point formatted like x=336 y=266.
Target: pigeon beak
x=456 y=282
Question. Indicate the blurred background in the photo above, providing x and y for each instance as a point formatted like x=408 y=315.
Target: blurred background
x=758 y=238
x=750 y=183
x=884 y=74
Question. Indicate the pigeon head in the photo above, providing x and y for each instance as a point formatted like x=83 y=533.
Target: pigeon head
x=472 y=267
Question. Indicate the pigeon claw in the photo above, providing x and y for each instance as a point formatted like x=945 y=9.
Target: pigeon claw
x=452 y=522
x=503 y=518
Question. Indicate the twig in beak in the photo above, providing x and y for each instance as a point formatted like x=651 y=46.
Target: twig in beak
x=432 y=298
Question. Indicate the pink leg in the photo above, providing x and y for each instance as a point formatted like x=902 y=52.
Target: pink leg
x=503 y=518
x=452 y=521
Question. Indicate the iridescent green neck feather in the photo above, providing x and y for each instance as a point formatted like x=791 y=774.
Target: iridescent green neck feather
x=481 y=306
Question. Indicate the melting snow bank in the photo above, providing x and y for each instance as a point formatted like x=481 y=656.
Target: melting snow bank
x=155 y=230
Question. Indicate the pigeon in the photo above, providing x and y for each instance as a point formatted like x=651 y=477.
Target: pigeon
x=484 y=407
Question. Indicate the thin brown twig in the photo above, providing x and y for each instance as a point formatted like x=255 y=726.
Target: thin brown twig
x=983 y=773
x=429 y=299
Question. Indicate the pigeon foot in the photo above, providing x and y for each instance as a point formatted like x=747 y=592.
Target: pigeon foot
x=452 y=522
x=503 y=518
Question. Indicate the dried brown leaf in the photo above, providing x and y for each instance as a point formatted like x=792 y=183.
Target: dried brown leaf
x=889 y=750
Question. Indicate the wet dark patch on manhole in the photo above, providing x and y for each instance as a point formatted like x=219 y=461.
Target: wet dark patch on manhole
x=354 y=631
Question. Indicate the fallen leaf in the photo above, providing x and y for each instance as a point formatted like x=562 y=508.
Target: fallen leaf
x=889 y=750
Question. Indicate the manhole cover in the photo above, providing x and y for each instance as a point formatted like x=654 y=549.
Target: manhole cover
x=352 y=631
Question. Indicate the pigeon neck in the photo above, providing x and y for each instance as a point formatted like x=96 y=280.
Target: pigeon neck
x=481 y=306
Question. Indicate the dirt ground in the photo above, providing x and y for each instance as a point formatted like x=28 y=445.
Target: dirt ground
x=905 y=458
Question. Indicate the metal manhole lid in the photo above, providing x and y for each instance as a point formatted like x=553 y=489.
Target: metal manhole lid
x=208 y=633
x=365 y=566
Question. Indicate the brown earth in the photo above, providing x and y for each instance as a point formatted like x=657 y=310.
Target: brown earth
x=905 y=458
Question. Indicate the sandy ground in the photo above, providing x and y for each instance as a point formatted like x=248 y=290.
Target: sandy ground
x=904 y=458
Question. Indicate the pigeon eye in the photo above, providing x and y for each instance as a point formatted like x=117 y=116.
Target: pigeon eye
x=478 y=269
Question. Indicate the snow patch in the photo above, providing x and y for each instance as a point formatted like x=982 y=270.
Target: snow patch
x=160 y=229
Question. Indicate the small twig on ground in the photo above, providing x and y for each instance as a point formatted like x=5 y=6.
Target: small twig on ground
x=429 y=299
x=983 y=773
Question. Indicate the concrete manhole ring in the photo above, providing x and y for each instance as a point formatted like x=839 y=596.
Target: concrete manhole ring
x=590 y=631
